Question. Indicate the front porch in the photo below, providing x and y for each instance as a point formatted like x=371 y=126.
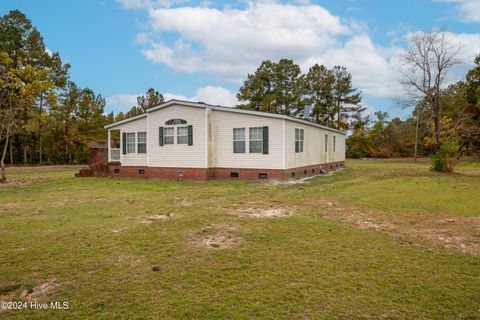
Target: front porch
x=114 y=146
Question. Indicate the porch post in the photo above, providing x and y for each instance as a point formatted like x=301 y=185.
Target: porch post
x=109 y=143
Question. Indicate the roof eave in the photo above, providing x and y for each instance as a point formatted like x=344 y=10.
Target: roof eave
x=118 y=123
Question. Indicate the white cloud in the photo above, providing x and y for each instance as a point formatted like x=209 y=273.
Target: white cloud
x=231 y=42
x=209 y=94
x=469 y=10
x=216 y=95
x=372 y=67
x=149 y=4
x=121 y=101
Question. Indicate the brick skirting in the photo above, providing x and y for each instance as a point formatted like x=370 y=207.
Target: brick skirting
x=203 y=174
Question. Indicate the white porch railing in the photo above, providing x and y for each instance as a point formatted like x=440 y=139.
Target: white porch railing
x=114 y=154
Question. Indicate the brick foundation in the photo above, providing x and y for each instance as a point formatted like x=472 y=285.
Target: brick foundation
x=203 y=174
x=307 y=171
x=98 y=166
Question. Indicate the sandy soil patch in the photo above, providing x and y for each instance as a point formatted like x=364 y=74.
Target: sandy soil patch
x=15 y=292
x=183 y=203
x=74 y=201
x=303 y=180
x=40 y=290
x=24 y=181
x=129 y=261
x=156 y=217
x=451 y=232
x=218 y=236
x=260 y=212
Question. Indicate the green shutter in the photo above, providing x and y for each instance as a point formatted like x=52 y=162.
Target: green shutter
x=124 y=143
x=190 y=135
x=265 y=140
x=160 y=136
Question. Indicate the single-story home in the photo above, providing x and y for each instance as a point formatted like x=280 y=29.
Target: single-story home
x=197 y=141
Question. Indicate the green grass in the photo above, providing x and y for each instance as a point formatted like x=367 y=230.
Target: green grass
x=87 y=234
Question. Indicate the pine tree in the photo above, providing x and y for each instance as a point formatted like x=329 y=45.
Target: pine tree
x=319 y=83
x=274 y=87
x=346 y=99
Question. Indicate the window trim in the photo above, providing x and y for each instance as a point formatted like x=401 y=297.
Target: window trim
x=299 y=140
x=183 y=135
x=244 y=140
x=130 y=143
x=141 y=143
x=259 y=140
x=175 y=121
x=326 y=142
x=165 y=135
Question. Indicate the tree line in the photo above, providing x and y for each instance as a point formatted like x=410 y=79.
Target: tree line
x=324 y=96
x=445 y=121
x=46 y=118
x=381 y=137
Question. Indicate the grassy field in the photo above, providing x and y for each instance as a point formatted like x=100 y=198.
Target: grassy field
x=379 y=239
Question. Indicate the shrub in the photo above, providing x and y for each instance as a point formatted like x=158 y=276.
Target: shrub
x=446 y=157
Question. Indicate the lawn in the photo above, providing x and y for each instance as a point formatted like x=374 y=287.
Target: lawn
x=379 y=239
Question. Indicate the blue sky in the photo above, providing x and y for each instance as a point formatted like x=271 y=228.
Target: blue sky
x=202 y=50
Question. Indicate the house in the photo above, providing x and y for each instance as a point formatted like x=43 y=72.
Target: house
x=197 y=141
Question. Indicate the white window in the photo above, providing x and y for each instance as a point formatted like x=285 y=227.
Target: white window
x=182 y=135
x=299 y=135
x=334 y=142
x=130 y=142
x=256 y=140
x=168 y=135
x=239 y=140
x=142 y=142
x=326 y=142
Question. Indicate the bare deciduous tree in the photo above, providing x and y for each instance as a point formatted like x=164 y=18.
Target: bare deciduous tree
x=425 y=64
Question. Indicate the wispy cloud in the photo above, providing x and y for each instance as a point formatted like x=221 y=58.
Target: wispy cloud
x=231 y=42
x=469 y=10
x=208 y=94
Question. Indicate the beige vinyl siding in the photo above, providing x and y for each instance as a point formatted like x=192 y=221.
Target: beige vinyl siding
x=223 y=124
x=313 y=146
x=133 y=159
x=340 y=154
x=177 y=155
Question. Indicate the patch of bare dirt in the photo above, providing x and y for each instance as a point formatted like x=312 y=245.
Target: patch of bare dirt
x=303 y=180
x=14 y=292
x=457 y=233
x=40 y=290
x=24 y=181
x=71 y=201
x=129 y=261
x=10 y=206
x=218 y=236
x=261 y=212
x=156 y=217
x=184 y=203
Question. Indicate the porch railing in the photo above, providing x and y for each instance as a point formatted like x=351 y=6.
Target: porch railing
x=114 y=154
